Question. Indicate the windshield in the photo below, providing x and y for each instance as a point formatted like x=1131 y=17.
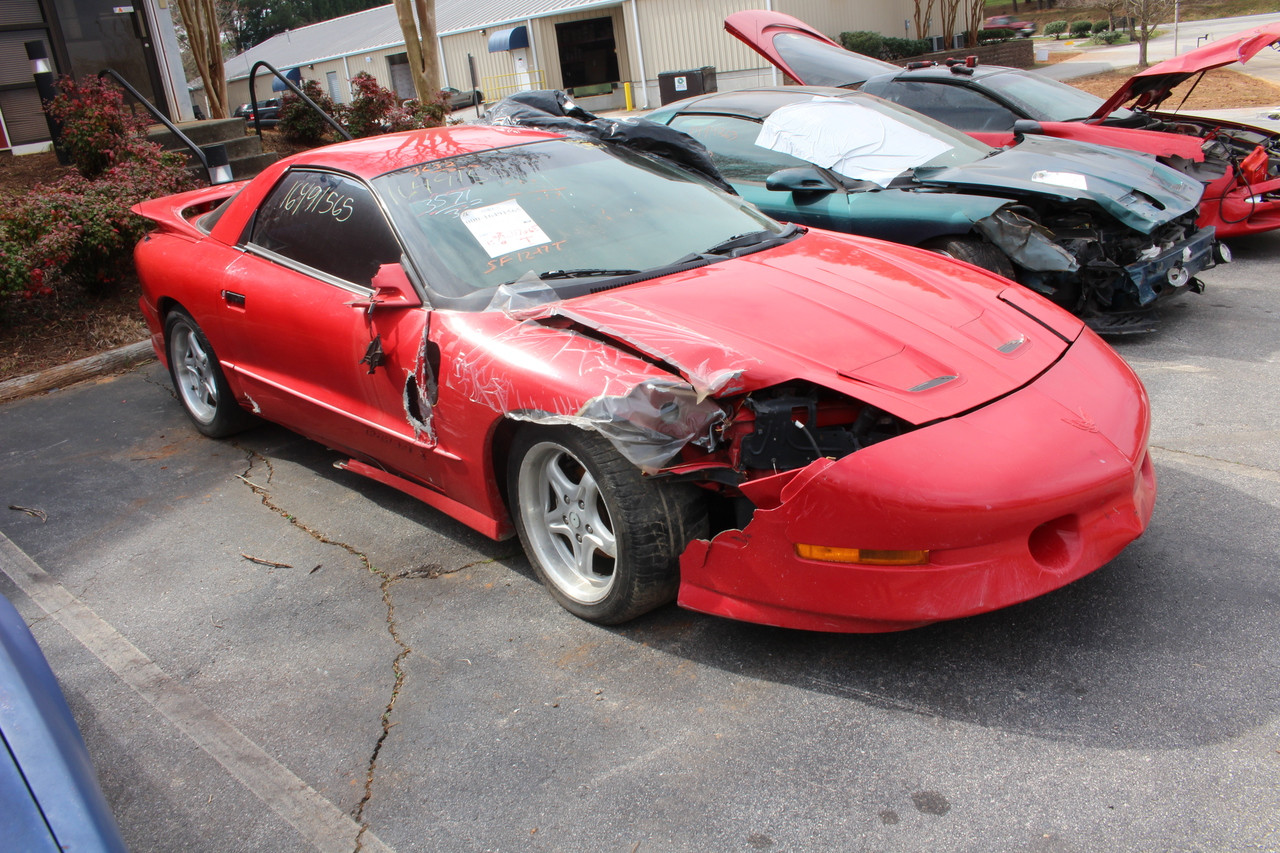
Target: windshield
x=866 y=138
x=1044 y=99
x=820 y=64
x=557 y=210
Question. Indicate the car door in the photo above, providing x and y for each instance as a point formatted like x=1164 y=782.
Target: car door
x=298 y=303
x=747 y=166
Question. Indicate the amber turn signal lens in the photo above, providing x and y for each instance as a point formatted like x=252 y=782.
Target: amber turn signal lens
x=862 y=556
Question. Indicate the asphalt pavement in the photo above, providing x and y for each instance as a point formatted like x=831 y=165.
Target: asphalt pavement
x=268 y=653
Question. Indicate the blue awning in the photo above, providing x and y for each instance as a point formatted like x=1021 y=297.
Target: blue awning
x=509 y=39
x=294 y=75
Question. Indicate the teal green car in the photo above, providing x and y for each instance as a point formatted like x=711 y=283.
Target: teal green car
x=1106 y=233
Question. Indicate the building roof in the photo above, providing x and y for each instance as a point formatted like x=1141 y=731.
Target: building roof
x=378 y=28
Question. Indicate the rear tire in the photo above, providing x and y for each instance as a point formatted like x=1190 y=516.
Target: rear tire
x=974 y=251
x=604 y=540
x=197 y=377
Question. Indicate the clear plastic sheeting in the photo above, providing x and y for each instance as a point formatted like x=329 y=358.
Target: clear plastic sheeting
x=849 y=138
x=649 y=425
x=710 y=368
x=1028 y=244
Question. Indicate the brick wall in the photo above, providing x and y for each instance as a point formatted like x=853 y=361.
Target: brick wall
x=1016 y=53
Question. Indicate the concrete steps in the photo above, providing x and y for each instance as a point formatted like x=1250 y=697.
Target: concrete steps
x=243 y=150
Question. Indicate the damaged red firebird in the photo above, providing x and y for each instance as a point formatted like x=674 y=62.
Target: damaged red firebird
x=664 y=393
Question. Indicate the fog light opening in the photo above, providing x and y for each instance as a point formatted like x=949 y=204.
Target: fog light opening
x=1055 y=544
x=1178 y=276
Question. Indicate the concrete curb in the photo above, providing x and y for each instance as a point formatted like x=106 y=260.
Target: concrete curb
x=76 y=371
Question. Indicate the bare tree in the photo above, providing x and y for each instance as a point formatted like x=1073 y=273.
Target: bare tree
x=923 y=14
x=973 y=10
x=200 y=19
x=948 y=11
x=1144 y=16
x=420 y=45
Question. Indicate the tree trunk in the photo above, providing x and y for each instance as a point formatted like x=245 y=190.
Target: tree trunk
x=201 y=21
x=420 y=45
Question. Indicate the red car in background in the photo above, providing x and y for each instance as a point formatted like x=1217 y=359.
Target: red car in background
x=662 y=392
x=1009 y=22
x=1239 y=164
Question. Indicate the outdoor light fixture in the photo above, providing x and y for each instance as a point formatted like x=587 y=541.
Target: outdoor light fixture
x=219 y=164
x=42 y=70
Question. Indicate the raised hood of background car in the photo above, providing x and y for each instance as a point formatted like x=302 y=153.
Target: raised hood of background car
x=900 y=329
x=757 y=29
x=1135 y=189
x=1154 y=84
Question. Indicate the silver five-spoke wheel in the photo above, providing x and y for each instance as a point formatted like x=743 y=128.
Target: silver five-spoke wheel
x=203 y=390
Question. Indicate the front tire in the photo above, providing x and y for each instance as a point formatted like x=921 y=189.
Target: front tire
x=197 y=377
x=604 y=540
x=974 y=251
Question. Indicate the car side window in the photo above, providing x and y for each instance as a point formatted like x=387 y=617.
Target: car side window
x=328 y=222
x=955 y=106
x=732 y=143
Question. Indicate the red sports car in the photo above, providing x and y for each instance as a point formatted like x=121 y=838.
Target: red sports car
x=664 y=393
x=1239 y=164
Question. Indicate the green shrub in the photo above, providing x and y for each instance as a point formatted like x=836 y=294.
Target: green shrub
x=863 y=42
x=1080 y=28
x=1100 y=27
x=1108 y=37
x=79 y=230
x=998 y=34
x=896 y=48
x=299 y=123
x=1055 y=29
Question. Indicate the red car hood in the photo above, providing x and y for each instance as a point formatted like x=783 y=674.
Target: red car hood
x=1152 y=86
x=900 y=329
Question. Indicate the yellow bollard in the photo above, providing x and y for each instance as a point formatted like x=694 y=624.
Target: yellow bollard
x=626 y=90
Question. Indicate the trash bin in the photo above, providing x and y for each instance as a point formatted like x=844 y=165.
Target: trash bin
x=678 y=85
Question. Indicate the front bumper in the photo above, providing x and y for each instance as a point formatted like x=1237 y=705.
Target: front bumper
x=1012 y=501
x=1152 y=278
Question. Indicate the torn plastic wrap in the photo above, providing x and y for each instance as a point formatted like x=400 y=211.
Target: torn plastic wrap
x=649 y=425
x=647 y=413
x=848 y=138
x=1028 y=244
x=552 y=109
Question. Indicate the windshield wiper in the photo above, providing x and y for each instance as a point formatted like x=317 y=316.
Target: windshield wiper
x=753 y=240
x=585 y=272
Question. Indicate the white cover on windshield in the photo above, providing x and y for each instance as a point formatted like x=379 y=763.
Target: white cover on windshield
x=848 y=138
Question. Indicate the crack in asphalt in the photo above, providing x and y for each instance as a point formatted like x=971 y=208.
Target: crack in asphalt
x=430 y=571
x=397 y=665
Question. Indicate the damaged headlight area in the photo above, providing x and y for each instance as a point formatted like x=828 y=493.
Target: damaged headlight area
x=1117 y=270
x=788 y=427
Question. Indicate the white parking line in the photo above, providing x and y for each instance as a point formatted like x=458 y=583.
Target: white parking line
x=313 y=816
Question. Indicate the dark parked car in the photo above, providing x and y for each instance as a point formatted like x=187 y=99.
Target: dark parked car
x=1105 y=233
x=1238 y=164
x=458 y=100
x=268 y=112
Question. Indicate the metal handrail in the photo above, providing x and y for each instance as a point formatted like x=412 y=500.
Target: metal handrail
x=151 y=108
x=257 y=113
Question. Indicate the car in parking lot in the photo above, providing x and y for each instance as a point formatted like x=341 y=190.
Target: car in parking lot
x=458 y=100
x=664 y=393
x=266 y=113
x=1238 y=164
x=1109 y=235
x=49 y=795
x=1010 y=22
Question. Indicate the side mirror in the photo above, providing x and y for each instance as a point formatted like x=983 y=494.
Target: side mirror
x=1024 y=126
x=392 y=287
x=801 y=179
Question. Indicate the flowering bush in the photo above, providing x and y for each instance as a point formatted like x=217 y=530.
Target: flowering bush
x=79 y=228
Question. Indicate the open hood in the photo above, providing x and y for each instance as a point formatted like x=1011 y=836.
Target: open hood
x=801 y=52
x=1152 y=86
